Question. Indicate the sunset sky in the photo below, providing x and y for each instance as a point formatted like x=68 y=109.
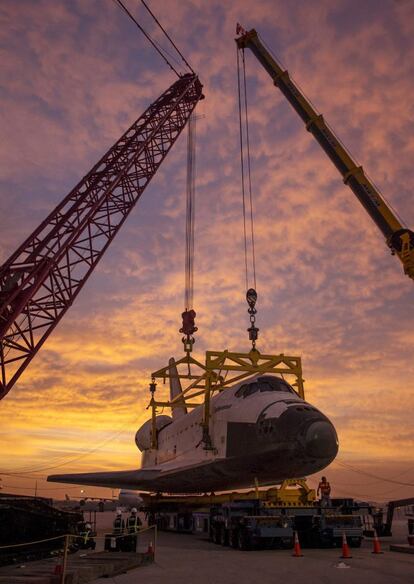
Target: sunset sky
x=74 y=75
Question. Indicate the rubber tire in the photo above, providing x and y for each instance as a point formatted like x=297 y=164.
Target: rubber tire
x=242 y=541
x=216 y=534
x=224 y=537
x=233 y=538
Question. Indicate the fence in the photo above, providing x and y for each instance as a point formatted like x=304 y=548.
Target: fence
x=72 y=553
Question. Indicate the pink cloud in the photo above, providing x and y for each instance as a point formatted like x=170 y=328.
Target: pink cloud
x=75 y=77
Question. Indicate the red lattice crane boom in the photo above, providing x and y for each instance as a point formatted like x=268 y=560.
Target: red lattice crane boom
x=40 y=281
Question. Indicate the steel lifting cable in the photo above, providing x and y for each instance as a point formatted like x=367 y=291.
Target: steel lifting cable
x=242 y=171
x=188 y=327
x=251 y=294
x=249 y=171
x=190 y=215
x=245 y=162
x=125 y=9
x=167 y=35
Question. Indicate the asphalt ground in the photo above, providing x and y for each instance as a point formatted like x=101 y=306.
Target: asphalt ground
x=182 y=559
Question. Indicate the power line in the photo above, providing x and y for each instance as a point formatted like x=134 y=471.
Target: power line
x=373 y=476
x=168 y=36
x=44 y=488
x=63 y=461
x=125 y=9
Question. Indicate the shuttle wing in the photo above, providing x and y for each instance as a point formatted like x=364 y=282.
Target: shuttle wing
x=124 y=479
x=145 y=479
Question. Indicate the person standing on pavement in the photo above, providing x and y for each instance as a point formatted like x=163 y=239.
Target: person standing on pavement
x=118 y=526
x=133 y=521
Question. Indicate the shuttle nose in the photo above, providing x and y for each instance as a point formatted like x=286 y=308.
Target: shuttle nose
x=321 y=440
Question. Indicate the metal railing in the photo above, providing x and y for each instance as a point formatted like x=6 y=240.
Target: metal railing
x=58 y=551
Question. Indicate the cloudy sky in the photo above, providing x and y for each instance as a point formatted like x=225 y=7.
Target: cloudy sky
x=75 y=75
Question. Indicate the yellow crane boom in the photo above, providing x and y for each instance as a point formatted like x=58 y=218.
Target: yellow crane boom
x=399 y=239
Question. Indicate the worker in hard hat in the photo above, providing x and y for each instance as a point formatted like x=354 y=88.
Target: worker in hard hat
x=87 y=535
x=133 y=521
x=118 y=524
x=324 y=488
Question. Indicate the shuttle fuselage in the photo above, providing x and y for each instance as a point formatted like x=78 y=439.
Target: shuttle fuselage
x=261 y=431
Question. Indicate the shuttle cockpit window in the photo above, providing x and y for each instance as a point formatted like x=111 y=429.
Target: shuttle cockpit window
x=263 y=384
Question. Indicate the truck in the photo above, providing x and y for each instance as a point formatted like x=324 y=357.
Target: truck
x=326 y=528
x=384 y=528
x=246 y=524
x=261 y=518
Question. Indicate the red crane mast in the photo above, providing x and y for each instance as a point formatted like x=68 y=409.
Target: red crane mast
x=40 y=281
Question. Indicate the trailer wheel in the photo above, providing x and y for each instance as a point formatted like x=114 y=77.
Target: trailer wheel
x=216 y=534
x=224 y=539
x=243 y=542
x=213 y=533
x=233 y=538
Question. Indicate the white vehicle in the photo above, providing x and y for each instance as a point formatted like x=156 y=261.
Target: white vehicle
x=262 y=432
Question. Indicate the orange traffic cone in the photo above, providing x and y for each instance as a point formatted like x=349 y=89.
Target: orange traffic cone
x=377 y=545
x=346 y=554
x=150 y=549
x=297 y=552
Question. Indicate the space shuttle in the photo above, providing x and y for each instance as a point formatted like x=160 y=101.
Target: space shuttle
x=262 y=432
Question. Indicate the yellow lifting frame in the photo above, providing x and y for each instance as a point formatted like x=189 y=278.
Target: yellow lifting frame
x=220 y=370
x=291 y=493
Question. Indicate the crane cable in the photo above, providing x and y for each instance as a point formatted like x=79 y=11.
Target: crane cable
x=168 y=36
x=251 y=294
x=188 y=327
x=190 y=215
x=125 y=9
x=245 y=162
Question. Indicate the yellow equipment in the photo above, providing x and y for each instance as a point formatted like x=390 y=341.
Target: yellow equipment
x=220 y=370
x=290 y=493
x=398 y=238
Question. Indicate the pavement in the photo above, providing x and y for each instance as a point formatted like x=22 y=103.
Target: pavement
x=182 y=559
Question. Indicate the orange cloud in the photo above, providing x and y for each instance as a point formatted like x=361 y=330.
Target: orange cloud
x=75 y=78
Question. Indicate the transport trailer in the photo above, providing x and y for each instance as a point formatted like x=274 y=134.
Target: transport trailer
x=261 y=519
x=192 y=513
x=180 y=520
x=248 y=524
x=325 y=528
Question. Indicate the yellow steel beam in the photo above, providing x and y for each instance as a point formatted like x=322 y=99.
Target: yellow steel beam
x=210 y=379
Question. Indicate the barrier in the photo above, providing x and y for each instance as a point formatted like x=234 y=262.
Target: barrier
x=297 y=552
x=346 y=554
x=135 y=542
x=377 y=545
x=60 y=559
